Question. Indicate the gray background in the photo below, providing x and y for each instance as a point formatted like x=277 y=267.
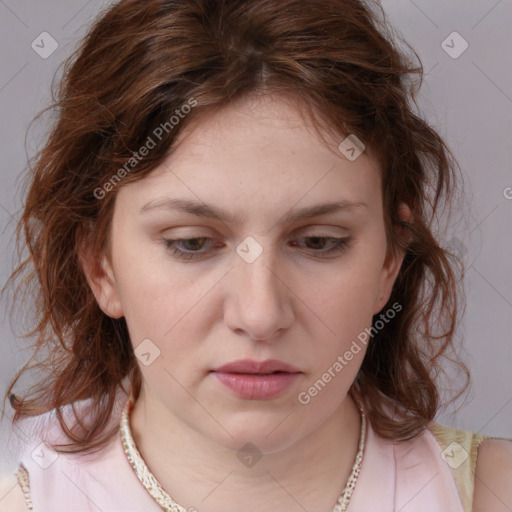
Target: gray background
x=468 y=99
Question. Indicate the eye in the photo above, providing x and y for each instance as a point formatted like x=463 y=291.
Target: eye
x=325 y=244
x=194 y=248
x=190 y=252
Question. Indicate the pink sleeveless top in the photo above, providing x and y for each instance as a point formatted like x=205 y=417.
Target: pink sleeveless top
x=407 y=477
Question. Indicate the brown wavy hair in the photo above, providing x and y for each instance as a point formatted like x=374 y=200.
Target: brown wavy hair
x=140 y=63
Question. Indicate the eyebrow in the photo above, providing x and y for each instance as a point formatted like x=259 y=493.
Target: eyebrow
x=214 y=212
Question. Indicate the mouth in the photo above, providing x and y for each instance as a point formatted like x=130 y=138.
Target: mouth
x=250 y=366
x=253 y=380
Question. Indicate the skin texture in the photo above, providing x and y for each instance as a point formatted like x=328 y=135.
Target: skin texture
x=493 y=477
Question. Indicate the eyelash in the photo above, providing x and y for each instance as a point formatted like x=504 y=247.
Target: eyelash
x=339 y=245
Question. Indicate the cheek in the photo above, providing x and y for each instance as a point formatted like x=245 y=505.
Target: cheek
x=344 y=297
x=151 y=296
x=339 y=307
x=167 y=302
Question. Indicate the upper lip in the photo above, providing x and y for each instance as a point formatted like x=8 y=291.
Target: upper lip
x=252 y=366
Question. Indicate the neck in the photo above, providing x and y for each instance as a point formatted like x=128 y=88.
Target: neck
x=205 y=475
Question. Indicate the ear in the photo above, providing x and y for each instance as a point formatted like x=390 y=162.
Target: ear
x=392 y=265
x=100 y=276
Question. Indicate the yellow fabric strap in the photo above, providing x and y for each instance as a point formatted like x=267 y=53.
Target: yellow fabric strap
x=460 y=449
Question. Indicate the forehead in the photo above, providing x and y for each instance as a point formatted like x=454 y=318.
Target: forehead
x=263 y=117
x=258 y=151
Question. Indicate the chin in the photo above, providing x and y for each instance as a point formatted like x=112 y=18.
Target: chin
x=268 y=432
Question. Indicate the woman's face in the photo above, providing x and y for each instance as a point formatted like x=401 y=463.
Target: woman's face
x=261 y=283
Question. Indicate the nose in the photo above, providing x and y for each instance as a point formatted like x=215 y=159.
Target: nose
x=260 y=300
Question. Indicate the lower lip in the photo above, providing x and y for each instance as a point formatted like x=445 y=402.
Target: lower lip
x=257 y=386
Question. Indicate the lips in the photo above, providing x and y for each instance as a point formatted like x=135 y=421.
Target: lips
x=255 y=380
x=250 y=366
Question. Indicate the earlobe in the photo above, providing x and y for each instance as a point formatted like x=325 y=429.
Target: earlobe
x=100 y=276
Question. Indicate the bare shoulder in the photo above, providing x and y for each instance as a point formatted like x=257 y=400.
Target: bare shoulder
x=493 y=477
x=11 y=496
